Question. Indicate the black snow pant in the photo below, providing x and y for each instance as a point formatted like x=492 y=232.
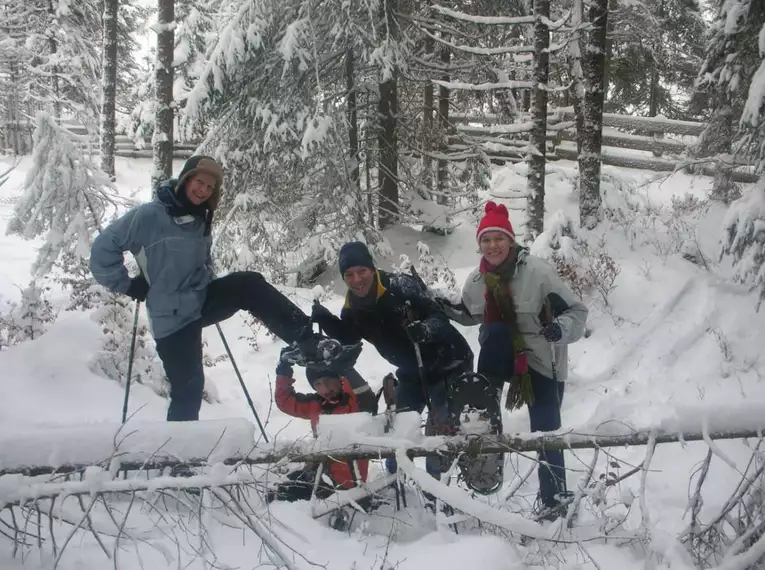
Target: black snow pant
x=181 y=352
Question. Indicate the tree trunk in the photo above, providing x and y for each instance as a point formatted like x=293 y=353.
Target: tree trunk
x=535 y=206
x=388 y=136
x=162 y=141
x=369 y=166
x=589 y=159
x=427 y=123
x=353 y=135
x=109 y=86
x=653 y=96
x=442 y=182
x=577 y=79
x=55 y=87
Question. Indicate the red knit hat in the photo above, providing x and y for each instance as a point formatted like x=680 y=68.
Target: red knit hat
x=496 y=219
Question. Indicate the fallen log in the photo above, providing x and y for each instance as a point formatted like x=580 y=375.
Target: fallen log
x=655 y=164
x=231 y=443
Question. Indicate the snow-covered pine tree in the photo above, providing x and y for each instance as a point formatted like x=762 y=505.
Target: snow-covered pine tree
x=116 y=314
x=744 y=226
x=654 y=53
x=744 y=239
x=724 y=79
x=33 y=313
x=271 y=94
x=753 y=116
x=64 y=201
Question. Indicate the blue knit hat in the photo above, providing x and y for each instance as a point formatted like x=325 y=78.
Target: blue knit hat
x=354 y=254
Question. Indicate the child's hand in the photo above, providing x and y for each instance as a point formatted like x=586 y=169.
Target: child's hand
x=284 y=369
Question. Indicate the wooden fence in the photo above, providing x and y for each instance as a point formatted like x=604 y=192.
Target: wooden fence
x=476 y=134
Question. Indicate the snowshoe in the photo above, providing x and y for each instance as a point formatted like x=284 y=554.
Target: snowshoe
x=551 y=513
x=339 y=520
x=476 y=400
x=319 y=351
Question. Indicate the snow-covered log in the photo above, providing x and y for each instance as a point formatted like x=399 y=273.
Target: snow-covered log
x=656 y=164
x=354 y=436
x=72 y=447
x=655 y=124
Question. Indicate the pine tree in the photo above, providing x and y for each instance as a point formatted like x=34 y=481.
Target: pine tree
x=115 y=314
x=33 y=313
x=743 y=235
x=64 y=200
x=724 y=80
x=655 y=50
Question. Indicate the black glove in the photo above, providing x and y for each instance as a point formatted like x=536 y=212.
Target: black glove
x=284 y=368
x=138 y=288
x=552 y=332
x=418 y=332
x=320 y=313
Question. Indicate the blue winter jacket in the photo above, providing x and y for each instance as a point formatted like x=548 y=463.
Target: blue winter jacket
x=173 y=253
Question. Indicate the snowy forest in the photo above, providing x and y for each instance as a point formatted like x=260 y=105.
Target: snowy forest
x=625 y=137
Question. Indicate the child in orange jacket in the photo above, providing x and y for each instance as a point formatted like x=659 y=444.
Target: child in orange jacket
x=333 y=396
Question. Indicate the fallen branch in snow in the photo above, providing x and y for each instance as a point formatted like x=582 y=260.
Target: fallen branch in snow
x=318 y=451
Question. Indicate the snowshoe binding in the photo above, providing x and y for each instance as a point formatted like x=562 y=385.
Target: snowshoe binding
x=476 y=399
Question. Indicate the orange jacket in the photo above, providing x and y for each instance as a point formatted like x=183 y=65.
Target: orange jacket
x=310 y=407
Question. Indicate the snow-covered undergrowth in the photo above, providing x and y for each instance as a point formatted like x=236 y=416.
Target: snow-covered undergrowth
x=668 y=331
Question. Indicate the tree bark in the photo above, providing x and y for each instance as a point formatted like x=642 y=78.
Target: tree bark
x=442 y=180
x=535 y=207
x=388 y=135
x=589 y=159
x=353 y=134
x=108 y=86
x=162 y=141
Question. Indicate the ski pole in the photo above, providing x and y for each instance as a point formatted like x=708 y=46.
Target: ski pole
x=241 y=382
x=420 y=365
x=131 y=354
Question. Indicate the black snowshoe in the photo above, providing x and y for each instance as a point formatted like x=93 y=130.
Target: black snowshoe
x=476 y=400
x=319 y=351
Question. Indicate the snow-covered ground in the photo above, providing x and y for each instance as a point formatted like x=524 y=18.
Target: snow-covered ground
x=675 y=339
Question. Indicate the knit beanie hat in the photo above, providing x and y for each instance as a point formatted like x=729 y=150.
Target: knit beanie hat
x=200 y=163
x=496 y=219
x=353 y=254
x=313 y=374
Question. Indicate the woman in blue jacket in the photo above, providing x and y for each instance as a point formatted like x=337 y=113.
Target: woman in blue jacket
x=170 y=239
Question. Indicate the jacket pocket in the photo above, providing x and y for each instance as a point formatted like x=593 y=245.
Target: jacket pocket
x=161 y=304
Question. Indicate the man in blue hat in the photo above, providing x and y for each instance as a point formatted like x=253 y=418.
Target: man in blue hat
x=394 y=313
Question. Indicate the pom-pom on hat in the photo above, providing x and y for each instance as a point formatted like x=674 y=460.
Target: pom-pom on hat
x=496 y=219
